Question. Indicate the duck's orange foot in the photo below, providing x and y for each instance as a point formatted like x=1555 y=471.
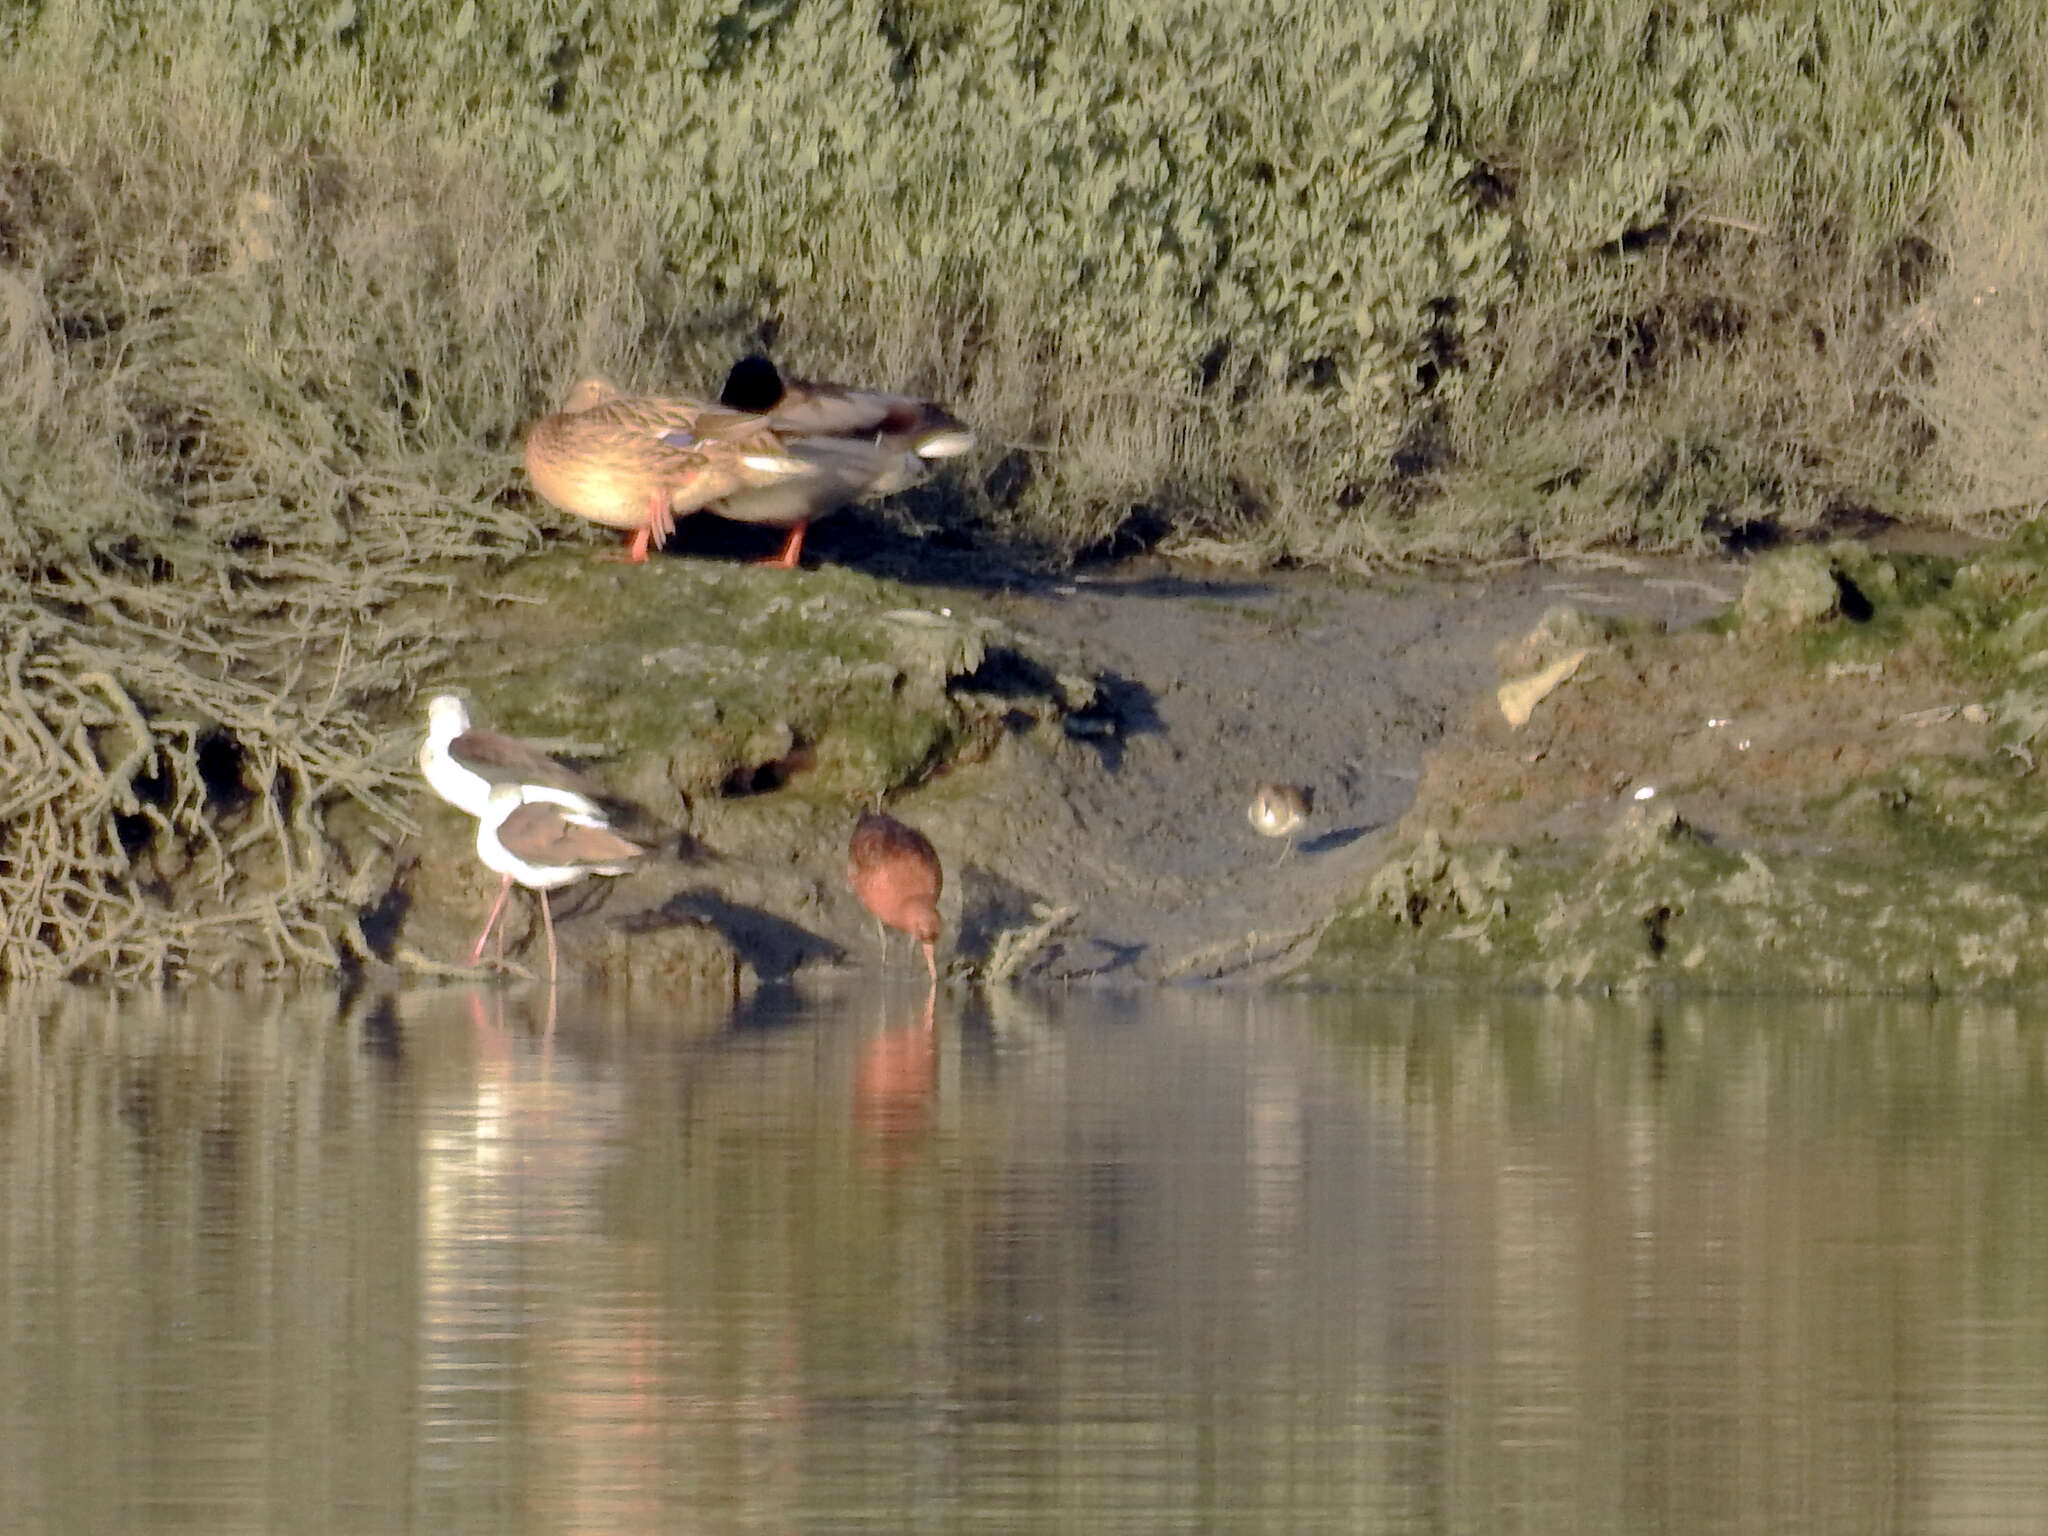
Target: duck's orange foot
x=791 y=547
x=635 y=552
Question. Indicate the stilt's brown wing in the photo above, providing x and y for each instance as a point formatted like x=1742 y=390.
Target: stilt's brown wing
x=545 y=835
x=501 y=759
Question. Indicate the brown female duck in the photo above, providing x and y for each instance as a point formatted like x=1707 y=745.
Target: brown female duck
x=640 y=461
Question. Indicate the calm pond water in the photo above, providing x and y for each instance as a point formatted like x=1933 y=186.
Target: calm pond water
x=1212 y=1262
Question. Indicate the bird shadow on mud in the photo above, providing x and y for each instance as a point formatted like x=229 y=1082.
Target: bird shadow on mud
x=1125 y=708
x=1122 y=707
x=1118 y=959
x=874 y=544
x=383 y=920
x=1337 y=837
x=775 y=947
x=1170 y=584
x=707 y=536
x=976 y=557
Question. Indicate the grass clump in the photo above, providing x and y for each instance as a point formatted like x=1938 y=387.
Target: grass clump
x=1981 y=334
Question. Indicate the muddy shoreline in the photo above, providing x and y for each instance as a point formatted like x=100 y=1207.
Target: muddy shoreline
x=1809 y=772
x=1096 y=836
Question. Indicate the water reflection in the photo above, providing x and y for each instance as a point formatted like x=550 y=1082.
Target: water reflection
x=1181 y=1261
x=895 y=1084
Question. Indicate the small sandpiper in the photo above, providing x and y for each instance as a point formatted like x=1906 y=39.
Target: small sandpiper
x=1280 y=810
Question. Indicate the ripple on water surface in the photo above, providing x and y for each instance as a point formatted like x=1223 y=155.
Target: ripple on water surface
x=1179 y=1261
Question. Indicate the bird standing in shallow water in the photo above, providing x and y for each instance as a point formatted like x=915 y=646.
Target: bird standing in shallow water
x=1280 y=810
x=895 y=872
x=543 y=844
x=463 y=764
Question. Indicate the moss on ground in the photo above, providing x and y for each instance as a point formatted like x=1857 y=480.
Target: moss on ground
x=1984 y=616
x=1921 y=873
x=1665 y=908
x=686 y=677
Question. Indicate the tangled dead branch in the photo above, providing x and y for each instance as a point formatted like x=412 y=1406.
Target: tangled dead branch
x=226 y=460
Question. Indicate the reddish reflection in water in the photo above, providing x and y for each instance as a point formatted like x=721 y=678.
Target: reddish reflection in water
x=895 y=1082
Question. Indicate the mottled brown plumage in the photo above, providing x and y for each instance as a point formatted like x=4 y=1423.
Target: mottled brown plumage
x=895 y=872
x=640 y=461
x=1280 y=810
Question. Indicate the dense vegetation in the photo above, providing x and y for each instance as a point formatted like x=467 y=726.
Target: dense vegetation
x=1448 y=278
x=1292 y=278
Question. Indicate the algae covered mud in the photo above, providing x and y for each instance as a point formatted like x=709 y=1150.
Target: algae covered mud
x=1831 y=787
x=1813 y=772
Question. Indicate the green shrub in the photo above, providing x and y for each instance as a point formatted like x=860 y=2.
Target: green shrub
x=1412 y=279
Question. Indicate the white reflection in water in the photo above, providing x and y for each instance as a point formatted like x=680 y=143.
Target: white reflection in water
x=1186 y=1261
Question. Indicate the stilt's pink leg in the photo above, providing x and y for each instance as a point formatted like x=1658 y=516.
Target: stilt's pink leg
x=548 y=917
x=491 y=921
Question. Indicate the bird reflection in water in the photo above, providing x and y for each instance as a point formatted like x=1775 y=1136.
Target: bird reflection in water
x=487 y=1024
x=546 y=1323
x=895 y=1084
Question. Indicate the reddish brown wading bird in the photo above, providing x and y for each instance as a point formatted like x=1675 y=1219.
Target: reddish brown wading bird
x=858 y=442
x=543 y=844
x=640 y=461
x=895 y=873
